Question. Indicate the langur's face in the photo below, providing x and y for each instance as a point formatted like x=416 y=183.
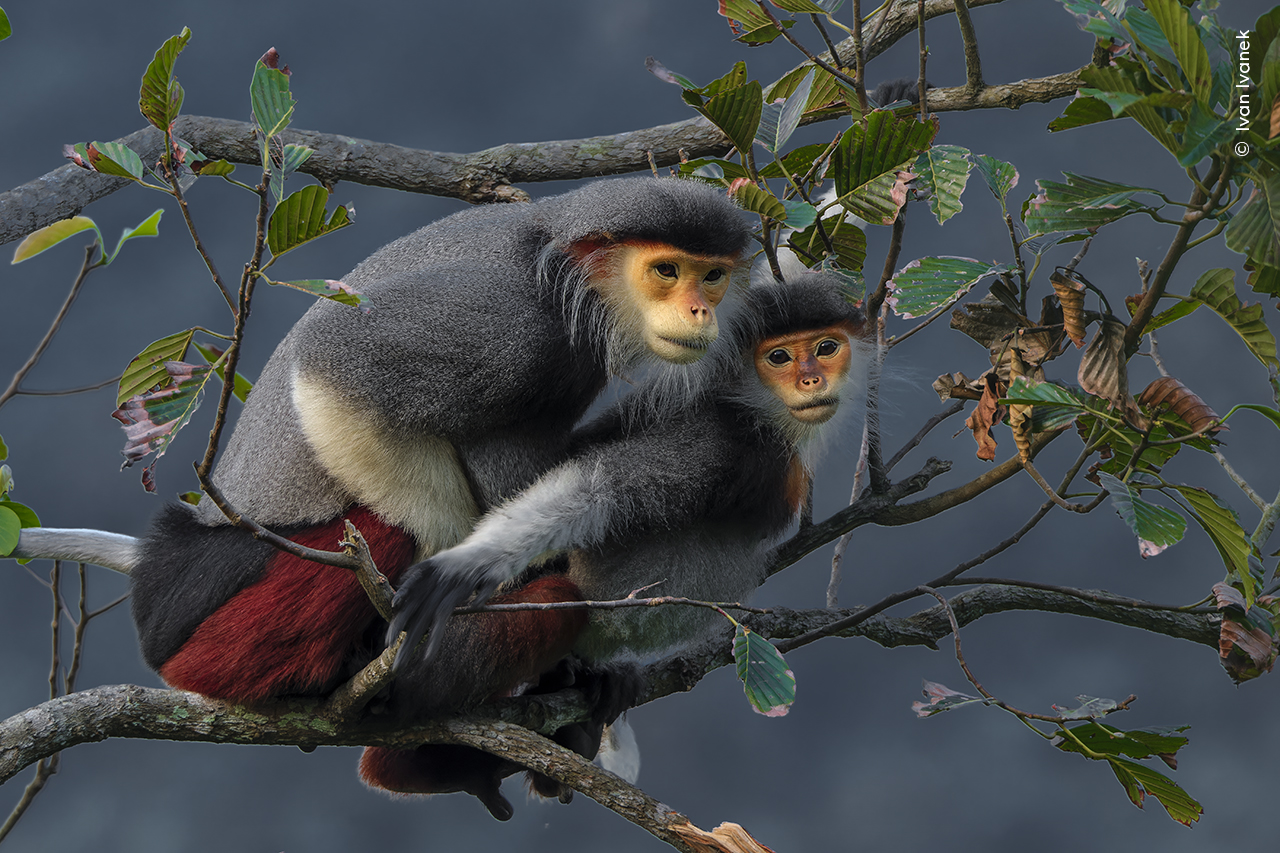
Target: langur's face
x=669 y=294
x=806 y=370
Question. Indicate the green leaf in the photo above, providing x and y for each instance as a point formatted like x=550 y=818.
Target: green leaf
x=1148 y=32
x=737 y=113
x=797 y=162
x=295 y=156
x=6 y=29
x=1255 y=230
x=848 y=240
x=1094 y=18
x=1184 y=37
x=161 y=97
x=943 y=171
x=770 y=686
x=779 y=121
x=192 y=498
x=800 y=7
x=876 y=145
x=329 y=289
x=300 y=218
x=1083 y=203
x=149 y=227
x=51 y=235
x=4 y=450
x=10 y=527
x=1156 y=527
x=212 y=355
x=1031 y=393
x=1205 y=132
x=745 y=12
x=1081 y=111
x=272 y=103
x=213 y=168
x=999 y=175
x=147 y=369
x=1216 y=288
x=112 y=158
x=755 y=200
x=26 y=515
x=152 y=420
x=1139 y=743
x=1228 y=536
x=1169 y=315
x=929 y=283
x=799 y=214
x=1115 y=80
x=1139 y=781
x=6 y=479
x=1266 y=411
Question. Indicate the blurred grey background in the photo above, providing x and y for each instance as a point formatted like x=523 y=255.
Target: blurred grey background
x=850 y=767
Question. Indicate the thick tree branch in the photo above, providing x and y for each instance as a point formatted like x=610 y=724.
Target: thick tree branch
x=482 y=176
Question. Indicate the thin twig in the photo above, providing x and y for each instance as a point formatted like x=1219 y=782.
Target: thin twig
x=953 y=409
x=22 y=392
x=85 y=268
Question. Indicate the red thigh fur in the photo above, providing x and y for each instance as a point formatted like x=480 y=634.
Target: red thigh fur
x=291 y=631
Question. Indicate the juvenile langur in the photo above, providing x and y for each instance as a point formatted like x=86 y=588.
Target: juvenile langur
x=681 y=498
x=491 y=333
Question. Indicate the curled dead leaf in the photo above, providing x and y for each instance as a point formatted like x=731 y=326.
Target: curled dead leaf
x=957 y=386
x=1071 y=297
x=1168 y=394
x=1247 y=645
x=1104 y=370
x=725 y=838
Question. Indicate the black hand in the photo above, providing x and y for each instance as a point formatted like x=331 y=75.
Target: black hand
x=425 y=600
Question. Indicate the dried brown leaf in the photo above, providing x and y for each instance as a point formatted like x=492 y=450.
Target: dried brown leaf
x=1275 y=118
x=988 y=413
x=1071 y=298
x=1103 y=369
x=988 y=322
x=1019 y=414
x=1246 y=648
x=957 y=386
x=725 y=838
x=1168 y=394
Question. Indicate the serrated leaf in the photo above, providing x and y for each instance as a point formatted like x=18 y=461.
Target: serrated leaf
x=999 y=175
x=160 y=99
x=1139 y=743
x=300 y=218
x=1169 y=315
x=770 y=686
x=1216 y=289
x=1138 y=781
x=1205 y=132
x=10 y=527
x=1153 y=40
x=712 y=168
x=1168 y=394
x=1184 y=39
x=869 y=158
x=743 y=12
x=928 y=283
x=51 y=235
x=1228 y=536
x=737 y=113
x=779 y=121
x=1247 y=641
x=272 y=103
x=152 y=420
x=1156 y=527
x=149 y=227
x=753 y=199
x=330 y=289
x=943 y=171
x=714 y=171
x=147 y=370
x=1083 y=203
x=1030 y=392
x=113 y=158
x=212 y=355
x=1255 y=230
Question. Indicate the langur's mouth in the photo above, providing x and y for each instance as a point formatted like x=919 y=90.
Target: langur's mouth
x=820 y=403
x=696 y=345
x=816 y=411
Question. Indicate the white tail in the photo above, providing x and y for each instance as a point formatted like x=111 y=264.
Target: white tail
x=110 y=550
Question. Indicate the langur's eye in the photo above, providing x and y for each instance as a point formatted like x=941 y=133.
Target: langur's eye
x=667 y=270
x=714 y=277
x=827 y=347
x=778 y=357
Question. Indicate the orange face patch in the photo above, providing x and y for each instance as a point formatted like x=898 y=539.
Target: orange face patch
x=806 y=370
